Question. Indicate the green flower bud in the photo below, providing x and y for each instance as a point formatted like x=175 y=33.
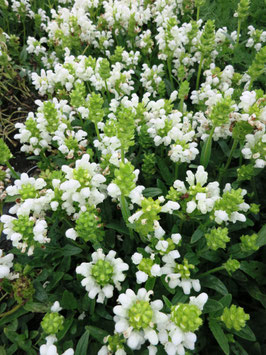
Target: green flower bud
x=104 y=69
x=52 y=323
x=145 y=140
x=186 y=317
x=217 y=238
x=5 y=153
x=254 y=208
x=102 y=271
x=88 y=225
x=27 y=191
x=230 y=201
x=124 y=178
x=140 y=315
x=245 y=172
x=220 y=111
x=23 y=289
x=95 y=106
x=183 y=90
x=115 y=342
x=258 y=65
x=145 y=265
x=117 y=56
x=183 y=269
x=231 y=265
x=207 y=39
x=241 y=129
x=150 y=213
x=78 y=94
x=242 y=9
x=125 y=127
x=199 y=3
x=51 y=116
x=249 y=242
x=82 y=176
x=234 y=317
x=24 y=226
x=149 y=165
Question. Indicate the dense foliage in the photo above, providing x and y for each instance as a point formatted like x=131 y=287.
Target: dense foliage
x=139 y=227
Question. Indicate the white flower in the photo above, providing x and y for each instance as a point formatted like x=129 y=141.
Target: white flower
x=102 y=274
x=137 y=317
x=50 y=349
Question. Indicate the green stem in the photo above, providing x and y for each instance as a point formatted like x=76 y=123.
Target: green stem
x=181 y=105
x=97 y=131
x=235 y=143
x=13 y=173
x=122 y=155
x=176 y=171
x=125 y=214
x=107 y=91
x=3 y=296
x=206 y=151
x=238 y=32
x=219 y=268
x=199 y=72
x=169 y=66
x=14 y=309
x=198 y=10
x=250 y=84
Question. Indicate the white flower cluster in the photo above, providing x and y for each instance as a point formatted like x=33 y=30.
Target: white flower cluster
x=6 y=263
x=102 y=274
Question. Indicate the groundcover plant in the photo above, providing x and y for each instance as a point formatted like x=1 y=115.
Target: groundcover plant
x=138 y=229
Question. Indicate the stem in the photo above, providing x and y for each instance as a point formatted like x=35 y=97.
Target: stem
x=250 y=85
x=122 y=155
x=97 y=131
x=206 y=151
x=169 y=66
x=13 y=173
x=125 y=214
x=238 y=31
x=219 y=268
x=235 y=143
x=107 y=91
x=3 y=296
x=199 y=72
x=198 y=10
x=181 y=105
x=14 y=309
x=176 y=171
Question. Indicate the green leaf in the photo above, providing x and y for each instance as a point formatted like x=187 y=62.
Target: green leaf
x=245 y=333
x=197 y=235
x=165 y=172
x=255 y=292
x=118 y=227
x=152 y=192
x=101 y=310
x=11 y=198
x=2 y=350
x=212 y=306
x=69 y=250
x=97 y=333
x=82 y=345
x=56 y=277
x=167 y=302
x=219 y=335
x=214 y=283
x=69 y=301
x=150 y=283
x=261 y=236
x=254 y=269
x=206 y=152
x=226 y=300
x=36 y=307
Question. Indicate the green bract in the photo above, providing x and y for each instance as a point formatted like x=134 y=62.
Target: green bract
x=234 y=317
x=186 y=316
